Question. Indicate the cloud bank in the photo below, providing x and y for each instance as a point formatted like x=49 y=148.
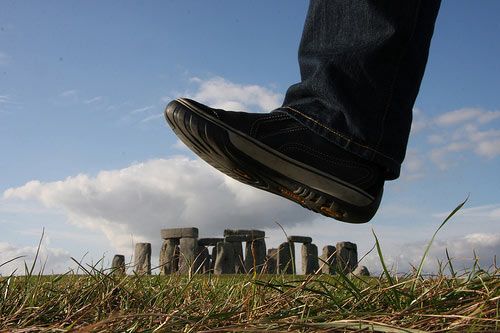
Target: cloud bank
x=50 y=259
x=141 y=199
x=450 y=136
x=221 y=93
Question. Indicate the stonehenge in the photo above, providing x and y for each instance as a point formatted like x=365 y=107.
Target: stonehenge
x=241 y=251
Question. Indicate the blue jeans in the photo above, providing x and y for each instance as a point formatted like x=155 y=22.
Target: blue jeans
x=361 y=64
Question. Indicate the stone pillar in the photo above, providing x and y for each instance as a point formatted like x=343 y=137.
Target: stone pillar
x=329 y=260
x=347 y=257
x=255 y=247
x=207 y=260
x=202 y=261
x=271 y=260
x=286 y=258
x=169 y=256
x=361 y=271
x=224 y=264
x=239 y=260
x=188 y=251
x=255 y=255
x=188 y=246
x=309 y=253
x=213 y=258
x=118 y=264
x=142 y=258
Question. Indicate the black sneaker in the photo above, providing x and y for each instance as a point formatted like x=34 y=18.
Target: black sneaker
x=276 y=153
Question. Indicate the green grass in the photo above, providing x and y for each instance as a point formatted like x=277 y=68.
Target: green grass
x=100 y=301
x=105 y=302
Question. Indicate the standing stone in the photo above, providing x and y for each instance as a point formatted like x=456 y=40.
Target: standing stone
x=142 y=258
x=347 y=257
x=202 y=261
x=286 y=258
x=309 y=253
x=329 y=260
x=213 y=257
x=271 y=260
x=255 y=255
x=239 y=261
x=188 y=248
x=361 y=271
x=118 y=264
x=224 y=264
x=169 y=256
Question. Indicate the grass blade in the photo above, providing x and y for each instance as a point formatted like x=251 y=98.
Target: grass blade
x=421 y=265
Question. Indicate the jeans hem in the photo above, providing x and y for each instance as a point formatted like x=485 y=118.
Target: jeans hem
x=392 y=168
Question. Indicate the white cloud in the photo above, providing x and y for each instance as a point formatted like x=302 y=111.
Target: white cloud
x=488 y=149
x=462 y=131
x=72 y=93
x=218 y=92
x=441 y=156
x=143 y=109
x=4 y=99
x=485 y=212
x=413 y=165
x=419 y=122
x=461 y=251
x=152 y=117
x=8 y=104
x=4 y=58
x=466 y=115
x=141 y=199
x=50 y=259
x=93 y=100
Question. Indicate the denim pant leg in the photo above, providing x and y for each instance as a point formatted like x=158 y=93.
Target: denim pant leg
x=361 y=64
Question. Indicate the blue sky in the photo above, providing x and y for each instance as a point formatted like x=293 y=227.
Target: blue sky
x=87 y=155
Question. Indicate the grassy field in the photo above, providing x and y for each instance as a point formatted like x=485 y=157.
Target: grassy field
x=104 y=302
x=101 y=301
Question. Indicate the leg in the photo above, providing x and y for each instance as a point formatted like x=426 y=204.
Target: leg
x=341 y=131
x=361 y=64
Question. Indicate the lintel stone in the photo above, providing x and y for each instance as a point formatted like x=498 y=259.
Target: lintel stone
x=236 y=238
x=179 y=233
x=209 y=241
x=255 y=234
x=300 y=239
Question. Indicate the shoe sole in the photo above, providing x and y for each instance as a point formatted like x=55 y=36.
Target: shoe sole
x=251 y=162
